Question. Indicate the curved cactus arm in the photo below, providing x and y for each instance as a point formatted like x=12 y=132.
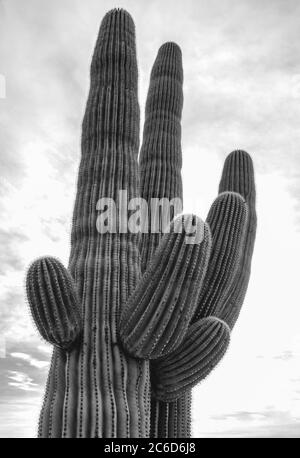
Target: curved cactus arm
x=53 y=302
x=157 y=315
x=232 y=220
x=203 y=347
x=238 y=176
x=227 y=220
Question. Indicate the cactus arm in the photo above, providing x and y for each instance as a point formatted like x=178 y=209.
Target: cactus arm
x=158 y=314
x=201 y=350
x=160 y=173
x=53 y=302
x=208 y=338
x=238 y=176
x=160 y=156
x=227 y=219
x=232 y=220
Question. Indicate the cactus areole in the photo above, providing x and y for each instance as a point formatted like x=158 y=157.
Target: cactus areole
x=139 y=317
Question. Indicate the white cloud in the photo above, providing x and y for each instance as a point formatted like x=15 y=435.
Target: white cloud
x=21 y=381
x=32 y=361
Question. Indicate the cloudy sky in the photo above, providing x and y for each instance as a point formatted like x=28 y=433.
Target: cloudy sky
x=242 y=90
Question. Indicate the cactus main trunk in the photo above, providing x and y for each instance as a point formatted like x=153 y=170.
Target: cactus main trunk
x=96 y=390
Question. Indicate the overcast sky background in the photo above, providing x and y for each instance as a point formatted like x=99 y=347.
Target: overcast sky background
x=242 y=90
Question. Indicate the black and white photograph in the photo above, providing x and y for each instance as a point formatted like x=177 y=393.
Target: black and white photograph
x=149 y=221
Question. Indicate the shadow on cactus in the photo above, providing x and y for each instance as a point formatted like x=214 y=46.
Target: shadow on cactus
x=137 y=319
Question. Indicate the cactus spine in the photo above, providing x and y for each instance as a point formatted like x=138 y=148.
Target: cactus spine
x=137 y=320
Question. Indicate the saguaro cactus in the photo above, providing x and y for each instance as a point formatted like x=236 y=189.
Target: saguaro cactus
x=127 y=300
